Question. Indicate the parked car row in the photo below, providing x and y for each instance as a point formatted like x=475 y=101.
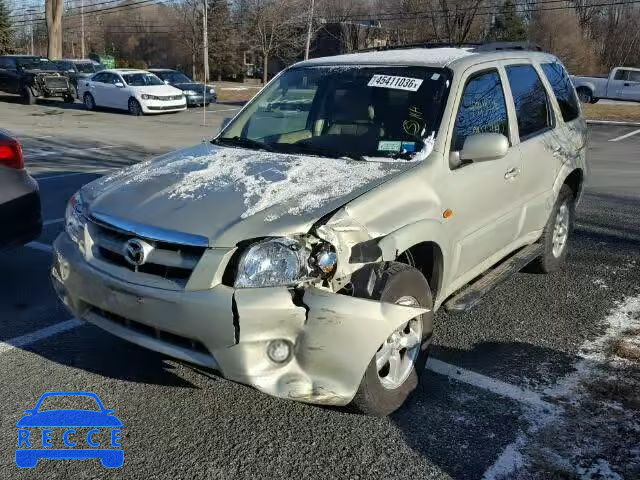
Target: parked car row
x=137 y=91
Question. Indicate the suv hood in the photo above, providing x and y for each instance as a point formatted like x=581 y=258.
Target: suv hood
x=230 y=194
x=42 y=72
x=191 y=86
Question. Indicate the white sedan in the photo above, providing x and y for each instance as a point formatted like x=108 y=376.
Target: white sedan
x=138 y=91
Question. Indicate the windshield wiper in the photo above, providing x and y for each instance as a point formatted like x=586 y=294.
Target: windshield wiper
x=243 y=142
x=316 y=150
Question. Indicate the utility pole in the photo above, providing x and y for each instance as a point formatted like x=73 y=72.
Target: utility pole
x=309 y=27
x=82 y=28
x=205 y=39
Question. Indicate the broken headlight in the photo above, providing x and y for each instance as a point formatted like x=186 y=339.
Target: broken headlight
x=283 y=261
x=75 y=219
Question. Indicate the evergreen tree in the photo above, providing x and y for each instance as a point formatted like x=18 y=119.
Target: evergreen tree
x=508 y=25
x=6 y=31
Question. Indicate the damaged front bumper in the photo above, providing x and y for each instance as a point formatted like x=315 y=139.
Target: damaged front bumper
x=334 y=337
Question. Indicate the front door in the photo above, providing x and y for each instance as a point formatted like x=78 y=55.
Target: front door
x=631 y=87
x=483 y=195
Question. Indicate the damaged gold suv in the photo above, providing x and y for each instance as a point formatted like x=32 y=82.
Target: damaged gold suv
x=305 y=249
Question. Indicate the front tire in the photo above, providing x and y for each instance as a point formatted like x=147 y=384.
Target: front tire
x=394 y=371
x=28 y=98
x=134 y=107
x=556 y=234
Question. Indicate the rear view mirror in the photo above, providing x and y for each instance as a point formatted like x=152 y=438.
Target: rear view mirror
x=484 y=146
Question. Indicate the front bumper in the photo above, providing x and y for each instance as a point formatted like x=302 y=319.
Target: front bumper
x=160 y=106
x=194 y=100
x=334 y=336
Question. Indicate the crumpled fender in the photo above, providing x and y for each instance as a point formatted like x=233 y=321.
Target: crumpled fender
x=334 y=337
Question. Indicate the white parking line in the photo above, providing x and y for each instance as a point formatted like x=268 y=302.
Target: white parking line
x=40 y=246
x=224 y=110
x=38 y=335
x=64 y=151
x=498 y=387
x=51 y=222
x=622 y=137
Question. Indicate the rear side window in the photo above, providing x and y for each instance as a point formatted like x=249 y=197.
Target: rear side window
x=562 y=89
x=634 y=76
x=482 y=109
x=530 y=98
x=101 y=77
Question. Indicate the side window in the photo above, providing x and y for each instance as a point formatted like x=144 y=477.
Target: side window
x=482 y=109
x=621 y=75
x=563 y=90
x=530 y=98
x=634 y=76
x=100 y=78
x=7 y=63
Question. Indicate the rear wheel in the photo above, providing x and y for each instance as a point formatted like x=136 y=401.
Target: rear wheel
x=89 y=102
x=584 y=94
x=69 y=98
x=556 y=233
x=134 y=107
x=393 y=372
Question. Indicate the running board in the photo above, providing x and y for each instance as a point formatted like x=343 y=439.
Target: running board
x=468 y=297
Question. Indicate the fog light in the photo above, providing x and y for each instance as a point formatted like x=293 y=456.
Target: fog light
x=279 y=351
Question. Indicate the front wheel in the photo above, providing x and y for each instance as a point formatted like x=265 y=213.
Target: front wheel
x=393 y=372
x=134 y=107
x=28 y=98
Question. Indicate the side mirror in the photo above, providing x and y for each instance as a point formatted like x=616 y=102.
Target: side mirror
x=30 y=410
x=119 y=84
x=166 y=82
x=71 y=70
x=482 y=147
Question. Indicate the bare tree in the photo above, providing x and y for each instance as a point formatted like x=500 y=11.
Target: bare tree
x=53 y=14
x=190 y=22
x=278 y=27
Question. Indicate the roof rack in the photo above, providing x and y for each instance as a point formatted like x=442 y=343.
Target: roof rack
x=477 y=47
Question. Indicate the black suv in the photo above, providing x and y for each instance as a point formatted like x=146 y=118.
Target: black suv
x=33 y=77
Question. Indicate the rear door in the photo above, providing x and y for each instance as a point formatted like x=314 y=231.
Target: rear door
x=631 y=87
x=9 y=81
x=95 y=88
x=483 y=195
x=540 y=144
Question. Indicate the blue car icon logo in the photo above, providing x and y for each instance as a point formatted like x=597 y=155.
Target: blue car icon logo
x=80 y=433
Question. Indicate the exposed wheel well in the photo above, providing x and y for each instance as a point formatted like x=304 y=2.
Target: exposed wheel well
x=426 y=257
x=574 y=182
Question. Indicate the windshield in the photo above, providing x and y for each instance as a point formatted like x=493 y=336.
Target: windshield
x=141 y=79
x=174 y=77
x=353 y=111
x=34 y=63
x=86 y=67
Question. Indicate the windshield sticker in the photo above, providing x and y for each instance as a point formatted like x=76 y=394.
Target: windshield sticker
x=413 y=125
x=397 y=83
x=389 y=146
x=408 y=147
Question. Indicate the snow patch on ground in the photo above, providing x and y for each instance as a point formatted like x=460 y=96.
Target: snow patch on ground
x=596 y=432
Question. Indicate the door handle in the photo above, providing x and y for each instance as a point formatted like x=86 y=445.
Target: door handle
x=626 y=84
x=511 y=173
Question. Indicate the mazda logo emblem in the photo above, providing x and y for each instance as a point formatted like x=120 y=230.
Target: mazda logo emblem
x=136 y=252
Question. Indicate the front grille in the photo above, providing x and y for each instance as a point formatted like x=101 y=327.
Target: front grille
x=170 y=97
x=55 y=82
x=152 y=332
x=172 y=262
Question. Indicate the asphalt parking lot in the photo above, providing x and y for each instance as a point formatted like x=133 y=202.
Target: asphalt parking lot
x=503 y=378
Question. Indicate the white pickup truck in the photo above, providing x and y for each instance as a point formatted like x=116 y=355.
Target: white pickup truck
x=623 y=83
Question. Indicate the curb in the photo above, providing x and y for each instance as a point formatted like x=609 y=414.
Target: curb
x=613 y=122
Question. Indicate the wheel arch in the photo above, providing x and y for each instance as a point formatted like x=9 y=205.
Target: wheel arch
x=575 y=181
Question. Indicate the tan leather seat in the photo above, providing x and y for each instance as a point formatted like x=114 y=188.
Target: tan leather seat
x=354 y=116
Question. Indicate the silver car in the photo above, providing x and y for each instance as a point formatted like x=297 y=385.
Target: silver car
x=20 y=215
x=306 y=248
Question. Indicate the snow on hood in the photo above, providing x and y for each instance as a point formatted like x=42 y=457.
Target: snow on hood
x=295 y=183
